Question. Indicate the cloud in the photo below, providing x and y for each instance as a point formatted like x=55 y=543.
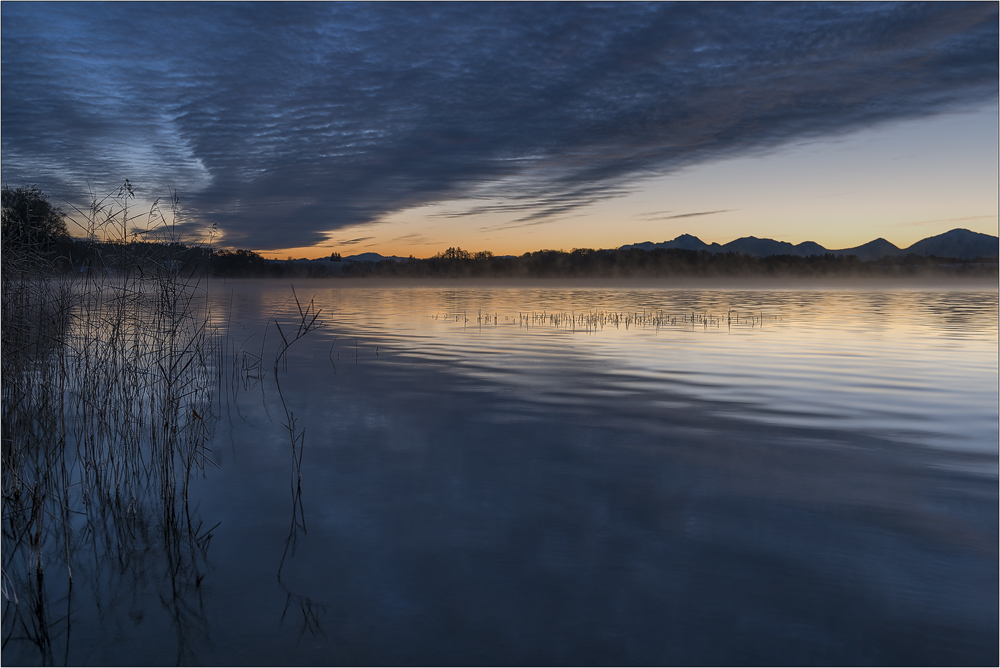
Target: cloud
x=652 y=215
x=416 y=239
x=351 y=242
x=282 y=122
x=921 y=223
x=692 y=215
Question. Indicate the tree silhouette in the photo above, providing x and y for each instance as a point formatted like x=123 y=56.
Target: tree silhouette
x=30 y=219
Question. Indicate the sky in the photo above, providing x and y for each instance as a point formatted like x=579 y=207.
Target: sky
x=303 y=129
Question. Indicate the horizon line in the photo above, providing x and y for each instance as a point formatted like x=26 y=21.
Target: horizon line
x=639 y=243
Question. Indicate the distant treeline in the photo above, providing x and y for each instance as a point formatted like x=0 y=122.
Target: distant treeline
x=639 y=263
x=81 y=256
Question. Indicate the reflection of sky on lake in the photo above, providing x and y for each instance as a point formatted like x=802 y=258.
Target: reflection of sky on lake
x=916 y=366
x=821 y=489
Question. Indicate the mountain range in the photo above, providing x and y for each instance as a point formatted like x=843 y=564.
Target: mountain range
x=958 y=243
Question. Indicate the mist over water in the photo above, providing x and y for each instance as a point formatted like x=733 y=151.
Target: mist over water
x=588 y=474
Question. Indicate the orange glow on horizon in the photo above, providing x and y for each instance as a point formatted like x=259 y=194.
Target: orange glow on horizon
x=625 y=233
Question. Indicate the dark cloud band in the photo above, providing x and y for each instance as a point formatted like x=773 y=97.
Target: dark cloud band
x=283 y=122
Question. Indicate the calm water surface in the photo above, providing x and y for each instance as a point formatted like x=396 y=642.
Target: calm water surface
x=588 y=475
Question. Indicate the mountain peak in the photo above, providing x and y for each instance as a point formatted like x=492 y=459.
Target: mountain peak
x=960 y=243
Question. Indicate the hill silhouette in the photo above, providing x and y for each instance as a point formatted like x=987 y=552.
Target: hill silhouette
x=958 y=243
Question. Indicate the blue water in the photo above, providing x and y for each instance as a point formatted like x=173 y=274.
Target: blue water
x=584 y=474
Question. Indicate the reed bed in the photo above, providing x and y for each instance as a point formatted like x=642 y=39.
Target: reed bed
x=598 y=320
x=108 y=381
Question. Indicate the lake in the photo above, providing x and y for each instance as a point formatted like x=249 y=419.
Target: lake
x=572 y=473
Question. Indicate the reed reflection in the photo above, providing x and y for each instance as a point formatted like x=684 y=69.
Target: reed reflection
x=108 y=409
